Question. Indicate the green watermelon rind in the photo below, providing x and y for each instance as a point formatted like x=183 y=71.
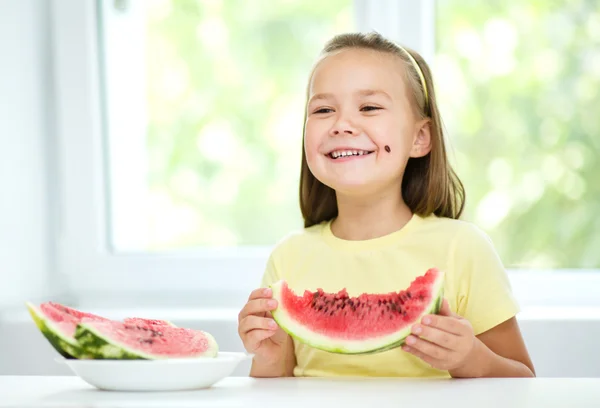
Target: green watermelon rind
x=105 y=348
x=67 y=347
x=360 y=347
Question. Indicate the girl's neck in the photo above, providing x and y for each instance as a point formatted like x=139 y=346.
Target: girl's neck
x=368 y=218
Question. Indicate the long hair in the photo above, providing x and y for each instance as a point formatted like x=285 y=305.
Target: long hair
x=430 y=185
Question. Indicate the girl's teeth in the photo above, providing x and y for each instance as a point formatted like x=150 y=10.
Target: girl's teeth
x=346 y=153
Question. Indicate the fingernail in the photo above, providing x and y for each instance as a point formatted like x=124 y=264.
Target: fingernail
x=267 y=291
x=426 y=320
x=272 y=324
x=417 y=330
x=272 y=303
x=411 y=340
x=405 y=348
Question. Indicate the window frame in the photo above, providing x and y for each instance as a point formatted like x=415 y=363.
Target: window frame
x=93 y=272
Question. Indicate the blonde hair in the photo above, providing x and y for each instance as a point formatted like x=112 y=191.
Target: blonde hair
x=430 y=185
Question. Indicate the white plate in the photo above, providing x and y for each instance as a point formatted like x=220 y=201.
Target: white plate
x=156 y=375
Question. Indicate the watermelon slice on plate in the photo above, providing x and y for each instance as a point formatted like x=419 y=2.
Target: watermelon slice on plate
x=58 y=324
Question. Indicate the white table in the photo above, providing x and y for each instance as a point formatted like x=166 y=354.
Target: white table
x=303 y=392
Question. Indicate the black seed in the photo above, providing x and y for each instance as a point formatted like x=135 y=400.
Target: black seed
x=379 y=302
x=421 y=297
x=343 y=306
x=149 y=341
x=331 y=313
x=393 y=306
x=408 y=295
x=320 y=307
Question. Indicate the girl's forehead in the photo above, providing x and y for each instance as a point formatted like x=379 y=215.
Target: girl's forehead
x=359 y=68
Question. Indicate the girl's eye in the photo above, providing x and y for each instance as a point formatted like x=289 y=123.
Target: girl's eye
x=323 y=110
x=370 y=108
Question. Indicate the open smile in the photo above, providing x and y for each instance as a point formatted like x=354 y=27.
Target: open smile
x=344 y=154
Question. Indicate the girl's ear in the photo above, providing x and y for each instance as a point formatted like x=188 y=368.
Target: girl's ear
x=422 y=140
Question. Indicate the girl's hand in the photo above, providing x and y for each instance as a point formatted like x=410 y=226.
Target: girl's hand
x=445 y=341
x=259 y=332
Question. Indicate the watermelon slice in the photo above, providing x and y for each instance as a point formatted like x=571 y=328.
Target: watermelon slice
x=116 y=340
x=368 y=323
x=58 y=323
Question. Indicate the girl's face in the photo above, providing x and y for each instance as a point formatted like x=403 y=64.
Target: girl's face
x=358 y=104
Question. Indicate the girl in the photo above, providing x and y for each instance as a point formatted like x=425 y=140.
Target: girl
x=381 y=205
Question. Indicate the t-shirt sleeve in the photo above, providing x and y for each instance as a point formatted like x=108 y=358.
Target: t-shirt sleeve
x=484 y=294
x=270 y=274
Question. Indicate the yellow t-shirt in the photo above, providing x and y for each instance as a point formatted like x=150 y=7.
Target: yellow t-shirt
x=476 y=284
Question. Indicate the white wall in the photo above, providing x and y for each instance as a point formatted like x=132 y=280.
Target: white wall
x=24 y=140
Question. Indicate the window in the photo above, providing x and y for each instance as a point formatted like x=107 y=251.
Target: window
x=179 y=130
x=204 y=103
x=518 y=84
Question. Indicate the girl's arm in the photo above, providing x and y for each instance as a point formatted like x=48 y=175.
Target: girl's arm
x=503 y=352
x=283 y=367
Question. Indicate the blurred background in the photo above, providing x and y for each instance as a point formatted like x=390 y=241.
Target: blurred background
x=151 y=152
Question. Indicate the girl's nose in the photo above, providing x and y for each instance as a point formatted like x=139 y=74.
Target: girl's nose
x=343 y=127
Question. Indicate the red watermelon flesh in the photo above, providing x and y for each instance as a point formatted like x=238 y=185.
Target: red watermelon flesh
x=116 y=340
x=65 y=318
x=151 y=322
x=366 y=323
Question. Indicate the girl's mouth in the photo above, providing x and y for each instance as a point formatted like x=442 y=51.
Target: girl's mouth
x=348 y=154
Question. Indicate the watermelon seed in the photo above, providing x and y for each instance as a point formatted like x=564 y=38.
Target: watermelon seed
x=408 y=294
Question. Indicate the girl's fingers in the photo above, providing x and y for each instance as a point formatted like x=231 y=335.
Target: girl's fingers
x=432 y=350
x=445 y=323
x=260 y=293
x=252 y=322
x=255 y=337
x=436 y=336
x=257 y=306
